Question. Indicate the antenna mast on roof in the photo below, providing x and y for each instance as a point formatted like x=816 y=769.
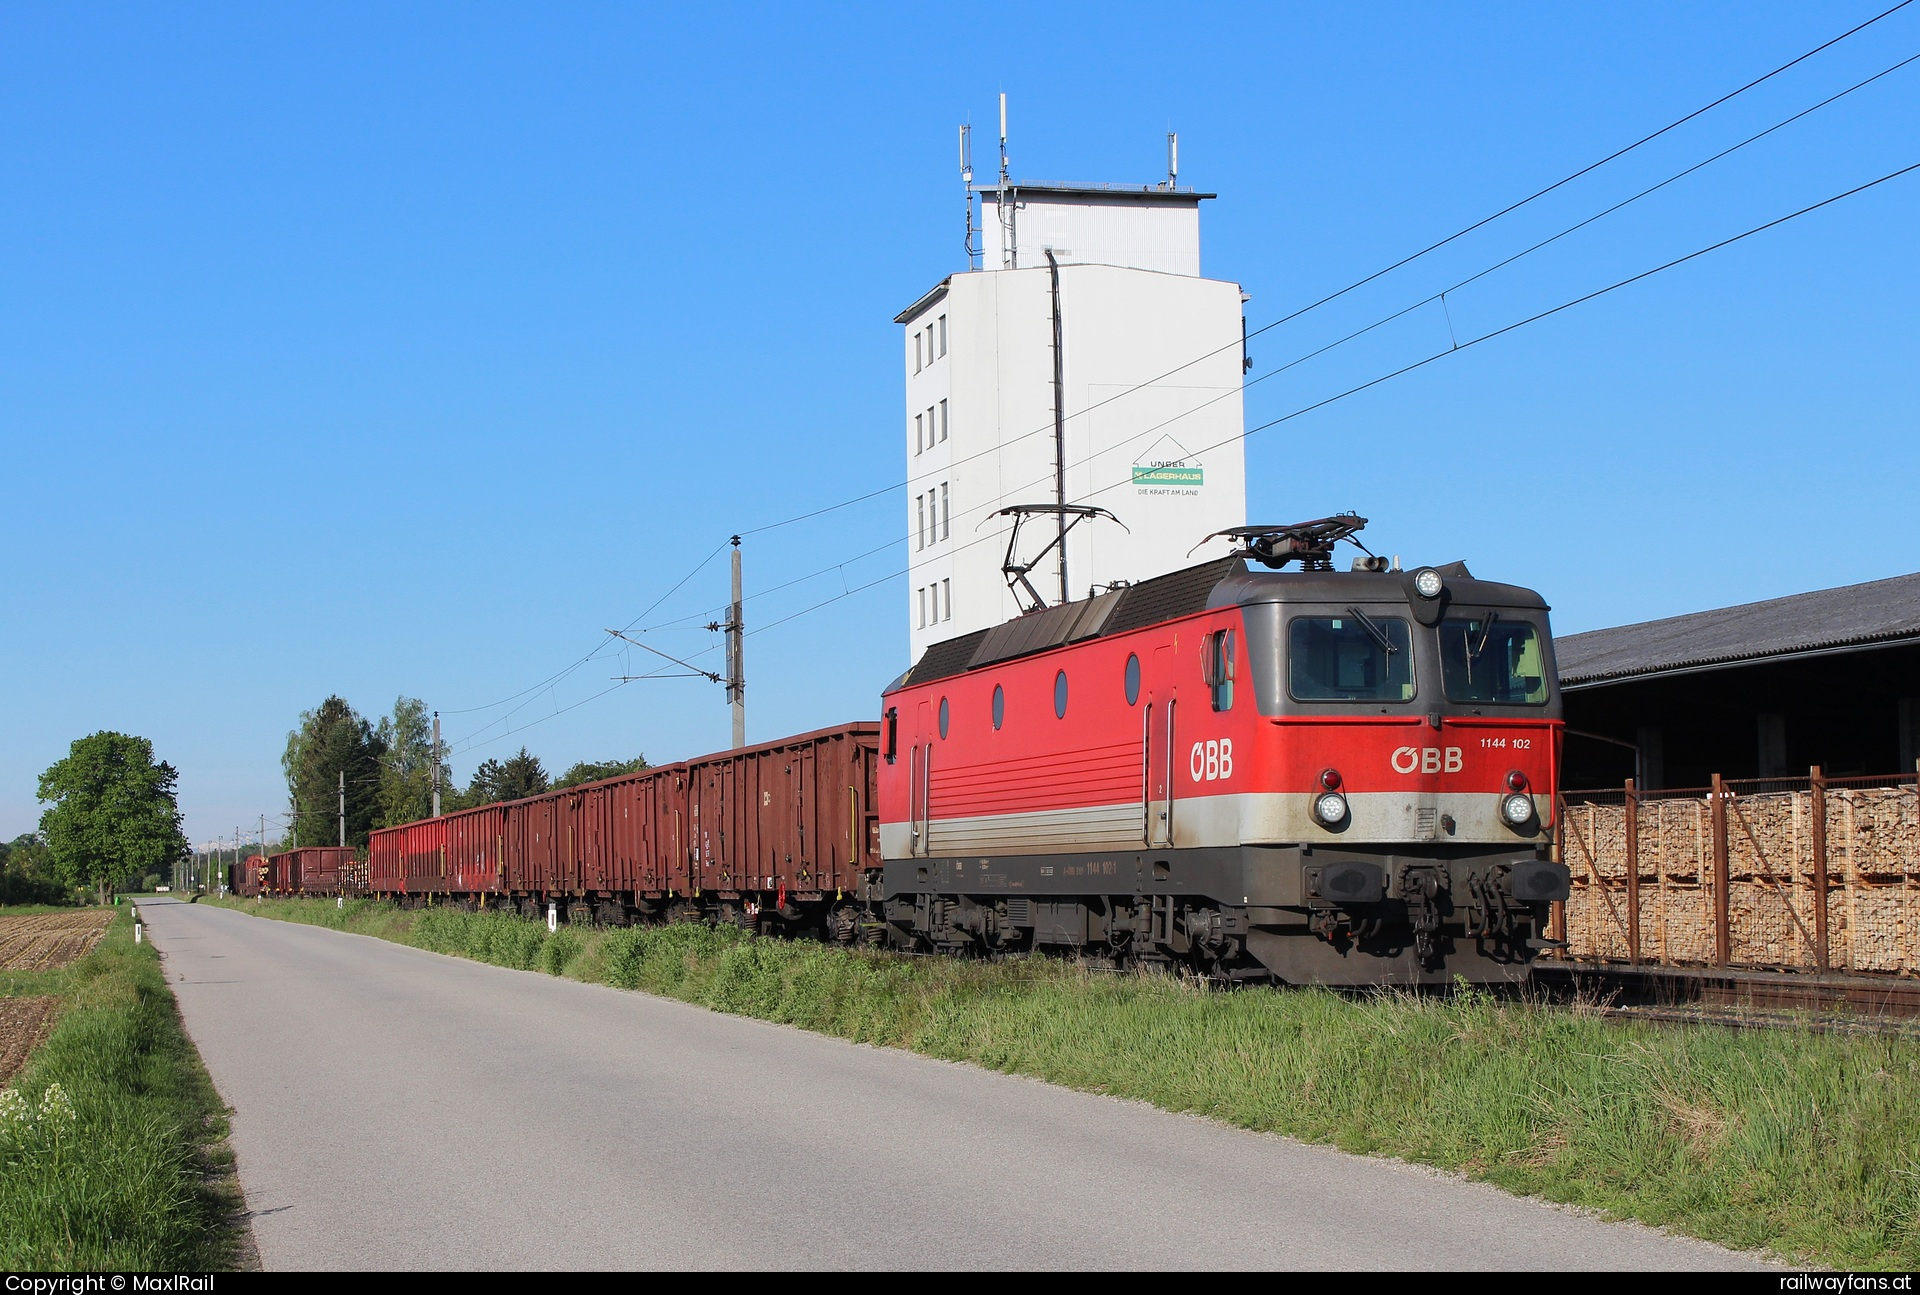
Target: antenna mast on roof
x=966 y=182
x=1003 y=199
x=1173 y=160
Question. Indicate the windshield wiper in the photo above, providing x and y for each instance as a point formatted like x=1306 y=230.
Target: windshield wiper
x=1473 y=653
x=1379 y=635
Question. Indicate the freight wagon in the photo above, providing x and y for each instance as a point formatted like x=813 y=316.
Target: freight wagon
x=307 y=870
x=780 y=835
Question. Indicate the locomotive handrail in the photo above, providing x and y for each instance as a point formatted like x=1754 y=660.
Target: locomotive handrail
x=913 y=794
x=1146 y=773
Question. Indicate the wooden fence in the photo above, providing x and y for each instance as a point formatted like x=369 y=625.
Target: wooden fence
x=1806 y=874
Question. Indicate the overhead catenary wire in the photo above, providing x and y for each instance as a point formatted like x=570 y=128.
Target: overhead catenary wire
x=1361 y=282
x=1451 y=350
x=468 y=743
x=1445 y=353
x=1325 y=348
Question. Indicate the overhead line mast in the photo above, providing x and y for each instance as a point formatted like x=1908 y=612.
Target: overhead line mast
x=736 y=655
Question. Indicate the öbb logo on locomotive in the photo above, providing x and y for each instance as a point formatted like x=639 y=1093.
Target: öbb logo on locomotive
x=1212 y=760
x=1427 y=759
x=1208 y=769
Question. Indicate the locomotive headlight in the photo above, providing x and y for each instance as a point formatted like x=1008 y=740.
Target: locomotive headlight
x=1426 y=582
x=1517 y=809
x=1330 y=808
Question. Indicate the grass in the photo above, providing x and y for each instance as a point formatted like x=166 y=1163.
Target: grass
x=112 y=1151
x=1800 y=1143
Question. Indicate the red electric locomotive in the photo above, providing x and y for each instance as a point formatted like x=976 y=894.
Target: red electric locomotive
x=1335 y=776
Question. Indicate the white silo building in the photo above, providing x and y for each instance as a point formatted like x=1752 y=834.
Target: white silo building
x=1136 y=409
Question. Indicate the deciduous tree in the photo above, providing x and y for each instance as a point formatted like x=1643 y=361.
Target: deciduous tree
x=406 y=765
x=594 y=771
x=27 y=874
x=113 y=812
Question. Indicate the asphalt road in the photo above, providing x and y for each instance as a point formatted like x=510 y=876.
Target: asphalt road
x=399 y=1109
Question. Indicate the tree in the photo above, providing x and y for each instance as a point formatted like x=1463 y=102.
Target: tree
x=516 y=778
x=333 y=740
x=406 y=766
x=590 y=771
x=113 y=812
x=27 y=874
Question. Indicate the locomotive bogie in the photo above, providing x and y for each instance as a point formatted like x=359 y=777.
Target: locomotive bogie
x=1389 y=918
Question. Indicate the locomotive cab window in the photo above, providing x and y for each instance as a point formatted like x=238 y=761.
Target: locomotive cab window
x=1219 y=668
x=1355 y=657
x=1487 y=659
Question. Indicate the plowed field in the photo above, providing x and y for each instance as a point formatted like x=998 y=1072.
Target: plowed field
x=23 y=1023
x=49 y=941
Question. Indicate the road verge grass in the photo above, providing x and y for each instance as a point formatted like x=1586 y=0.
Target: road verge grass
x=1800 y=1143
x=112 y=1142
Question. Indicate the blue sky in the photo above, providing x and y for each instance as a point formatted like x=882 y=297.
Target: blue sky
x=383 y=349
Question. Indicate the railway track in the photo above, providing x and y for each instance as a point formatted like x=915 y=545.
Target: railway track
x=1740 y=997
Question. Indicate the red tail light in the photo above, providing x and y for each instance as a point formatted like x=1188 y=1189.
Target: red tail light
x=1516 y=781
x=1330 y=779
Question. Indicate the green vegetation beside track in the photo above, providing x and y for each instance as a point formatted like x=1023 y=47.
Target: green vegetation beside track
x=1804 y=1144
x=112 y=1151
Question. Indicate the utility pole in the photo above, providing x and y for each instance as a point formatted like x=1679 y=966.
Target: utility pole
x=436 y=764
x=263 y=836
x=736 y=656
x=1059 y=429
x=343 y=808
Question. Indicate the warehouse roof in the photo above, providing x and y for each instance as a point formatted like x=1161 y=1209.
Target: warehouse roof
x=1877 y=613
